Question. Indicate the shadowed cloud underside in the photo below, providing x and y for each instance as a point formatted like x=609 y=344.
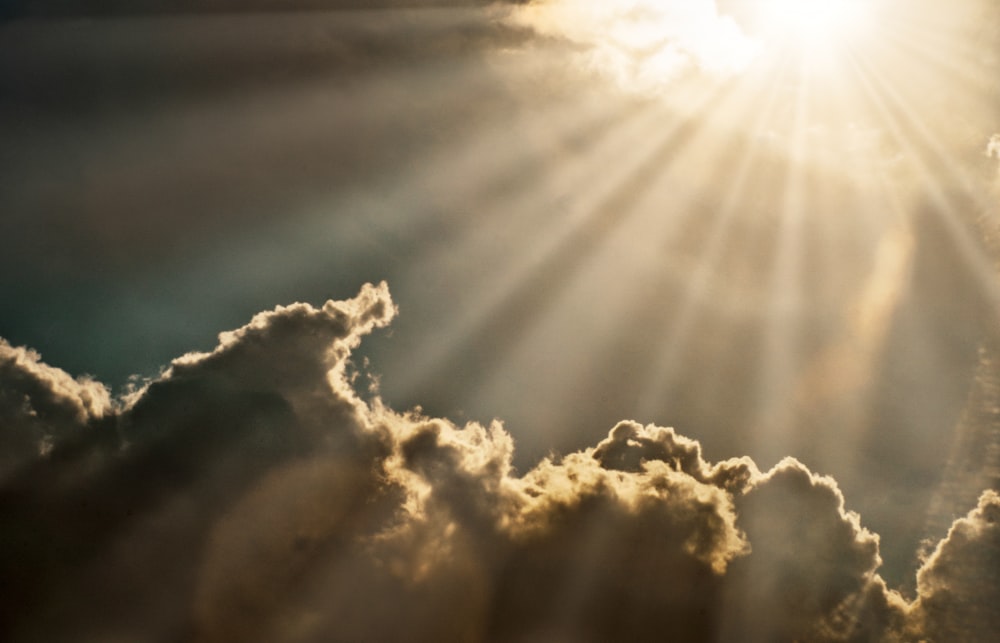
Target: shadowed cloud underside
x=251 y=493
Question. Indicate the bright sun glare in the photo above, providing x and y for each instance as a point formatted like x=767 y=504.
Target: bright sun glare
x=649 y=43
x=812 y=23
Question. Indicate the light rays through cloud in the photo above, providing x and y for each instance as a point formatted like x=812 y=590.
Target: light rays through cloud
x=773 y=228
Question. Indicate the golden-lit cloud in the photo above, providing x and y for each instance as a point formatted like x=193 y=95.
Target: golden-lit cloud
x=41 y=405
x=645 y=44
x=271 y=502
x=957 y=584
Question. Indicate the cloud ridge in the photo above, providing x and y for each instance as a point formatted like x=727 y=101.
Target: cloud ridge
x=270 y=502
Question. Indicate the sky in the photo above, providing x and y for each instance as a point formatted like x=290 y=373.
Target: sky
x=558 y=320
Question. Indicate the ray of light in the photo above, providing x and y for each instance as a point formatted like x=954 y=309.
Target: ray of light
x=324 y=212
x=784 y=297
x=661 y=223
x=944 y=219
x=735 y=164
x=211 y=196
x=512 y=312
x=937 y=168
x=540 y=214
x=835 y=382
x=414 y=204
x=974 y=460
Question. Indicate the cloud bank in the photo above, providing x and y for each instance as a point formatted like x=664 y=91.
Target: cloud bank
x=252 y=494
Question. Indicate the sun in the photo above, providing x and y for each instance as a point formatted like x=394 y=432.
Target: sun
x=648 y=45
x=812 y=24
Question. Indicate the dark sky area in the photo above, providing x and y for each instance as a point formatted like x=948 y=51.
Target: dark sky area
x=556 y=235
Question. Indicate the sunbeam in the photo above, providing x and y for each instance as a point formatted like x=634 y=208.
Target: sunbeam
x=773 y=224
x=552 y=261
x=703 y=286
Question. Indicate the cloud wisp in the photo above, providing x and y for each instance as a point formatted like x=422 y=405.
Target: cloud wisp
x=251 y=493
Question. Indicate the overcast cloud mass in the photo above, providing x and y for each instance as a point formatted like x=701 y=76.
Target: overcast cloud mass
x=598 y=220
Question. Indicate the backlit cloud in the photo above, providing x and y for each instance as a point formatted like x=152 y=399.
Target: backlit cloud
x=249 y=493
x=959 y=594
x=40 y=405
x=644 y=44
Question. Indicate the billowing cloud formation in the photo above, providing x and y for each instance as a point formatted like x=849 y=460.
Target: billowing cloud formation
x=40 y=404
x=959 y=592
x=250 y=494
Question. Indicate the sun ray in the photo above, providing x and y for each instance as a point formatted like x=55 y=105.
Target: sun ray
x=837 y=381
x=510 y=311
x=936 y=168
x=733 y=171
x=974 y=460
x=784 y=299
x=544 y=209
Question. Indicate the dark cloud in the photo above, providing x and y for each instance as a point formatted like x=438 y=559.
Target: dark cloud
x=250 y=494
x=101 y=8
x=84 y=68
x=811 y=562
x=134 y=497
x=959 y=584
x=41 y=405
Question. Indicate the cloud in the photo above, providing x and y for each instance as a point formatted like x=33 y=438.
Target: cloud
x=993 y=147
x=993 y=151
x=811 y=565
x=48 y=8
x=136 y=496
x=133 y=63
x=959 y=583
x=40 y=405
x=645 y=45
x=249 y=493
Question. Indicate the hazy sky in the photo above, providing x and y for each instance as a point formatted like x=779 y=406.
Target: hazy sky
x=527 y=239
